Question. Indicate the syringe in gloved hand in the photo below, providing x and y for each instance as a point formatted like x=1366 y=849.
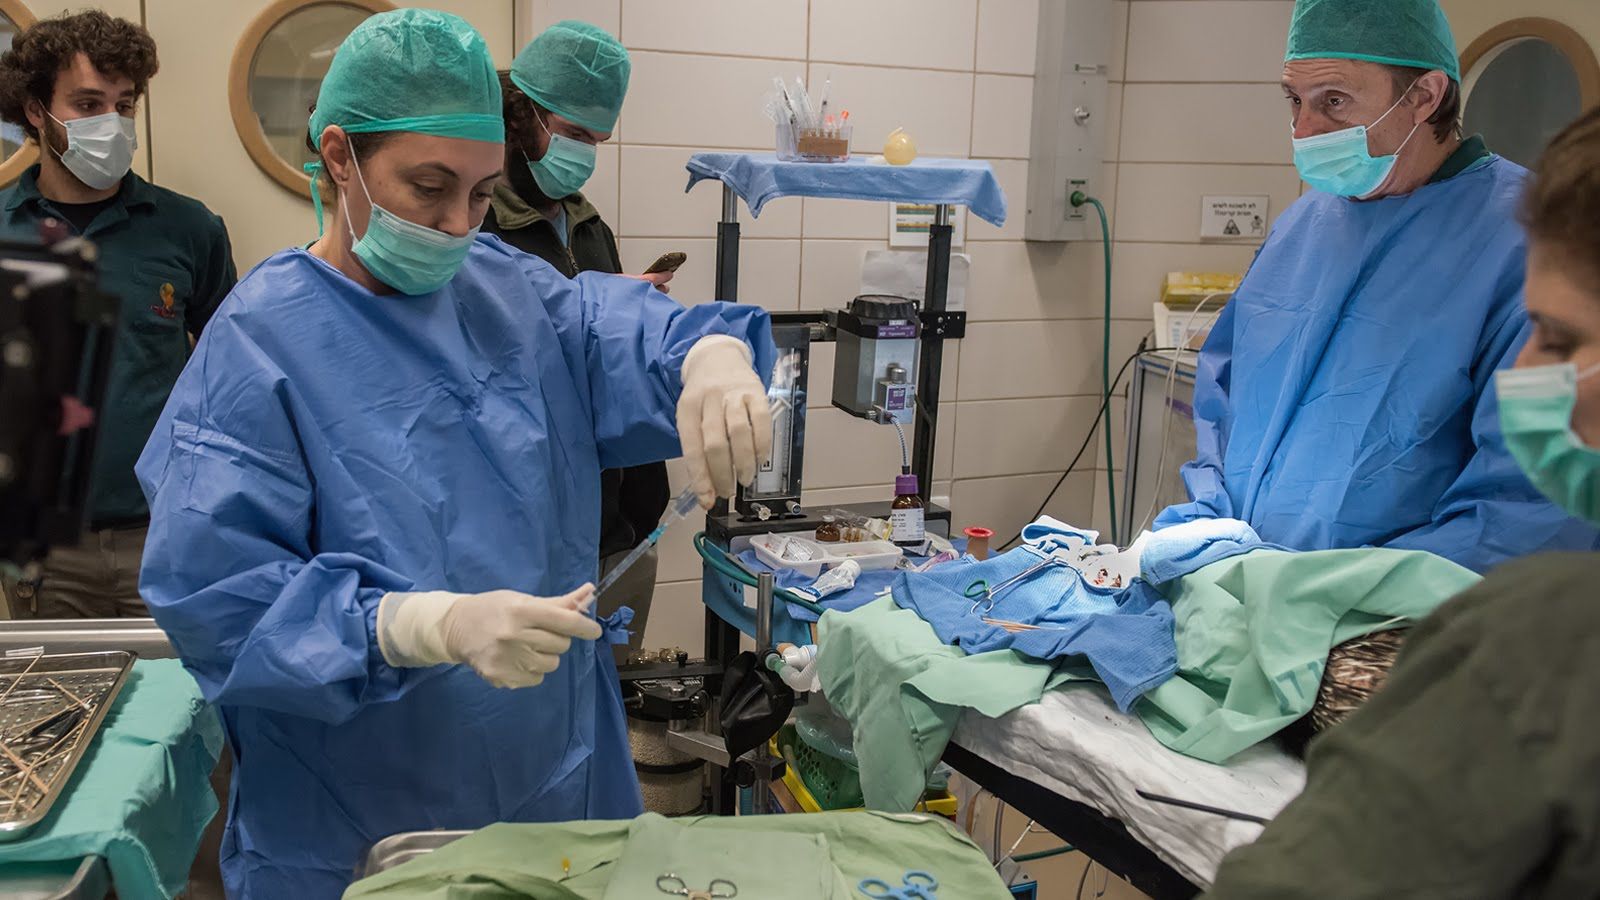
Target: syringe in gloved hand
x=780 y=395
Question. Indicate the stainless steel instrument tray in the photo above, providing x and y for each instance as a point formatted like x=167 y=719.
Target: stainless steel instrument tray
x=34 y=690
x=140 y=636
x=400 y=848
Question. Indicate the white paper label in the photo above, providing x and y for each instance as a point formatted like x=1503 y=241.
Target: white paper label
x=905 y=526
x=1234 y=217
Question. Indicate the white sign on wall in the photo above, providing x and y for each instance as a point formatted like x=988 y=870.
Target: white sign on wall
x=1234 y=216
x=909 y=224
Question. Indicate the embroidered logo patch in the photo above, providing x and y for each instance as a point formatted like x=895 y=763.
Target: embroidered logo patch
x=165 y=309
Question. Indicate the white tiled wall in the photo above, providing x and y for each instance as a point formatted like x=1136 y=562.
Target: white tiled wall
x=1200 y=113
x=1194 y=109
x=1187 y=117
x=957 y=75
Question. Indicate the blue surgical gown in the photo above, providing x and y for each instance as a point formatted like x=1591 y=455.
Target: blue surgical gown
x=325 y=446
x=1345 y=397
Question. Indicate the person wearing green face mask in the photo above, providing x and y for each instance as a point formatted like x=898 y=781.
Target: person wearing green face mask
x=562 y=96
x=375 y=491
x=1550 y=403
x=1474 y=772
x=1345 y=397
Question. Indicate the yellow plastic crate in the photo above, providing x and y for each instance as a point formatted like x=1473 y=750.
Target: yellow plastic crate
x=943 y=805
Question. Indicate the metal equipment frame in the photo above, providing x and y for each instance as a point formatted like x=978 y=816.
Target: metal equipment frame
x=938 y=325
x=1101 y=838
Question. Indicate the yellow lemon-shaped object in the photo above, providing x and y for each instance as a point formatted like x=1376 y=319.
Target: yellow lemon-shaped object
x=899 y=149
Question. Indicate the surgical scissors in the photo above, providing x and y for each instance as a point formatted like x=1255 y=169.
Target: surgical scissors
x=672 y=884
x=979 y=592
x=914 y=885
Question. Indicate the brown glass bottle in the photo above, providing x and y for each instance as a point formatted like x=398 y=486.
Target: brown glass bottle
x=907 y=528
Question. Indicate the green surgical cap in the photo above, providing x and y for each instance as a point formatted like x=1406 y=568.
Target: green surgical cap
x=1411 y=33
x=415 y=70
x=577 y=71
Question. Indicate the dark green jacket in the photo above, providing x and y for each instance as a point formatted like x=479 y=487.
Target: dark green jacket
x=1475 y=771
x=167 y=256
x=632 y=500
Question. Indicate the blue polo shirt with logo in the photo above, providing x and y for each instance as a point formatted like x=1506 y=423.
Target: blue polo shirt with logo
x=168 y=258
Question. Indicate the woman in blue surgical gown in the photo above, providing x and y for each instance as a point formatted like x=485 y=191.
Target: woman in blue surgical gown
x=375 y=491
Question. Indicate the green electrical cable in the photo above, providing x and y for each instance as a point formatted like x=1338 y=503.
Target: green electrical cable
x=1078 y=199
x=720 y=562
x=1043 y=854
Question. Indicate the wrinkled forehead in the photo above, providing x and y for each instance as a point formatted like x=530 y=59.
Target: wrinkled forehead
x=1350 y=76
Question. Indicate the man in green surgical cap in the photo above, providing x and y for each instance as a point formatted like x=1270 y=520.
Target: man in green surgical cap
x=1344 y=398
x=562 y=96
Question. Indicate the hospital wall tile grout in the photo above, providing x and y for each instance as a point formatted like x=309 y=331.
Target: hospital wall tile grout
x=957 y=76
x=1183 y=120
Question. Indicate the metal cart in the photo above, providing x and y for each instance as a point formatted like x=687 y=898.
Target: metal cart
x=729 y=526
x=87 y=878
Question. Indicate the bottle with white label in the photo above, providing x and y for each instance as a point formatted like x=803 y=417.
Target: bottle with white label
x=906 y=527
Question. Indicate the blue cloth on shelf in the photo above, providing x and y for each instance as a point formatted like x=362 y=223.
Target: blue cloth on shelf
x=868 y=586
x=726 y=597
x=760 y=177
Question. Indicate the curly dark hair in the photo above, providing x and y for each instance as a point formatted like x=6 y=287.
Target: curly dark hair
x=28 y=70
x=518 y=109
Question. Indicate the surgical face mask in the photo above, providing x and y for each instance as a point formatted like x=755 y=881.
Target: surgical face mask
x=1536 y=407
x=1341 y=162
x=99 y=148
x=413 y=259
x=565 y=166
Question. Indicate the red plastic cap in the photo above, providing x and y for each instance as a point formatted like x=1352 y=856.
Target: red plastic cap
x=976 y=532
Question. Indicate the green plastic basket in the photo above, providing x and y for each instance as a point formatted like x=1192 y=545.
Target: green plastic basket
x=834 y=783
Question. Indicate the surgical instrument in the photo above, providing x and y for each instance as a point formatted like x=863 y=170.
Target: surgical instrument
x=780 y=396
x=1015 y=627
x=718 y=889
x=677 y=510
x=914 y=885
x=979 y=592
x=1201 y=807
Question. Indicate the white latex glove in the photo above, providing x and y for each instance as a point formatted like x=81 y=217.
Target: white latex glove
x=723 y=417
x=511 y=639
